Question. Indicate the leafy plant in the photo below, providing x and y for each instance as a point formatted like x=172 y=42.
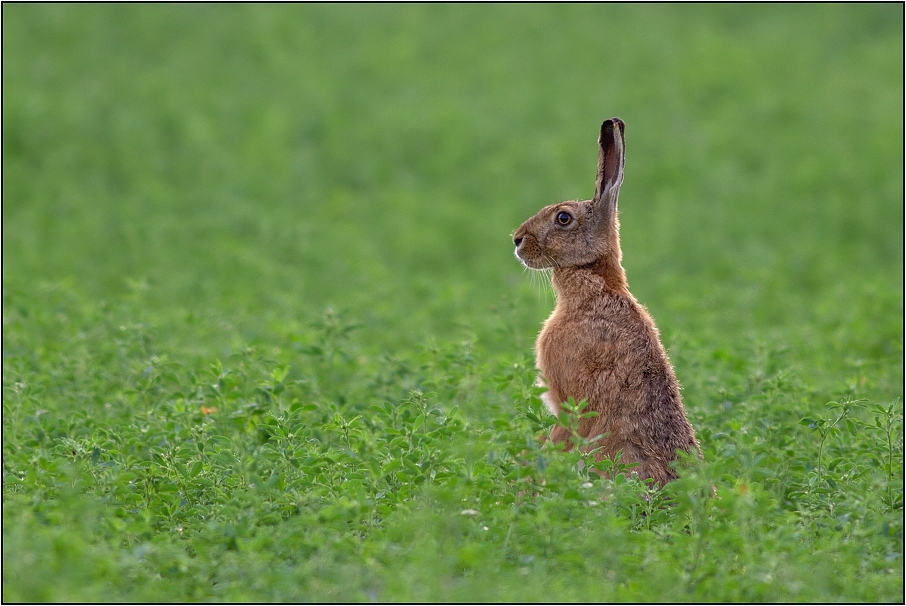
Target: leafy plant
x=264 y=338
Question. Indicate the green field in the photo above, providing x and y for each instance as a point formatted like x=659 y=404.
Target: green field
x=265 y=338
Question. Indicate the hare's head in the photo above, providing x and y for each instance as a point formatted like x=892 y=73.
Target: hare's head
x=576 y=233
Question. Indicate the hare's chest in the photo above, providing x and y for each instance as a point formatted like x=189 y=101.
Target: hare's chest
x=559 y=353
x=554 y=344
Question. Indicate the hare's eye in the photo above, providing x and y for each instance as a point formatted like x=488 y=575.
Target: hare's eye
x=564 y=218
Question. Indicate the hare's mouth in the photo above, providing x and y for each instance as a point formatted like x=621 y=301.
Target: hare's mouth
x=534 y=262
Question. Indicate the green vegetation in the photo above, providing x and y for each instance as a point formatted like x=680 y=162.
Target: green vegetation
x=264 y=337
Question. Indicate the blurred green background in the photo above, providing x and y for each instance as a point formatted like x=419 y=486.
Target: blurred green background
x=264 y=162
x=183 y=182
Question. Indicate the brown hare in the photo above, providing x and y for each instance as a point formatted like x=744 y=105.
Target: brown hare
x=600 y=344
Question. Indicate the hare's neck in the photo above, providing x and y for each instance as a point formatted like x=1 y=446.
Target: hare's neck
x=589 y=281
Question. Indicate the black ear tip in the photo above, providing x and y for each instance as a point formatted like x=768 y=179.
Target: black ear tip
x=611 y=125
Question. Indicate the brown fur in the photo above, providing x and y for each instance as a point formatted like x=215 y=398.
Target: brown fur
x=599 y=343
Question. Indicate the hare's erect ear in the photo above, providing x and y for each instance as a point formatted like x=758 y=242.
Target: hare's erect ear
x=610 y=164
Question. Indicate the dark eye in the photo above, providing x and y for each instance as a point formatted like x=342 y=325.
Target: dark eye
x=564 y=218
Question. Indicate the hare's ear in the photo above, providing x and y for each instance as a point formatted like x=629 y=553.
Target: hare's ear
x=610 y=165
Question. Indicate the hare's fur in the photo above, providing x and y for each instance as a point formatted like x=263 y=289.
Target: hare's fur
x=600 y=344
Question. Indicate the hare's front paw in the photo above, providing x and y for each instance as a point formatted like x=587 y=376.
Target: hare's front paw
x=552 y=405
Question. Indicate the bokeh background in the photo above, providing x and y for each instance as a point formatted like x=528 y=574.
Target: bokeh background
x=271 y=161
x=206 y=179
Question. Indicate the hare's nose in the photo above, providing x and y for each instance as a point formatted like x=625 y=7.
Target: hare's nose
x=517 y=237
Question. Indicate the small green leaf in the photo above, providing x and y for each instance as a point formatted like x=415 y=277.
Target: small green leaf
x=196 y=468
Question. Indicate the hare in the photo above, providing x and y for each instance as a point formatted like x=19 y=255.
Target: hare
x=600 y=344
